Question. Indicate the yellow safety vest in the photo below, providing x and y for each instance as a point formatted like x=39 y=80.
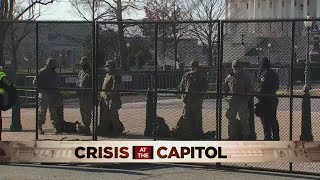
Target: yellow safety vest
x=2 y=75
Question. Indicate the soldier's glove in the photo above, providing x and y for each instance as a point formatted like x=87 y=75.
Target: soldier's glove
x=104 y=95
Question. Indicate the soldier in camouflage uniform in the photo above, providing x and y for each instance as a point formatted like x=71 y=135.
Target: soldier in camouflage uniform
x=190 y=123
x=237 y=82
x=110 y=123
x=85 y=96
x=49 y=96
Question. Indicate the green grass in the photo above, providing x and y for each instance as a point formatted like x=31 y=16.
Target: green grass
x=64 y=70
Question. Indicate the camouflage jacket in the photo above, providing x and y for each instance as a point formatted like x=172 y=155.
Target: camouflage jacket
x=193 y=81
x=238 y=84
x=85 y=79
x=113 y=81
x=47 y=81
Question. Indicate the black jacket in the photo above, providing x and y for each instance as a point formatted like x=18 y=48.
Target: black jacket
x=268 y=82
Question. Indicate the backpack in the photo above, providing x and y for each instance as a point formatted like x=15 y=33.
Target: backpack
x=162 y=129
x=10 y=97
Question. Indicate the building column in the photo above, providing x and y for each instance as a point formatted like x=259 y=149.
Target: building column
x=292 y=10
x=305 y=8
x=279 y=14
x=267 y=9
x=318 y=9
x=260 y=9
x=254 y=9
x=250 y=15
x=227 y=9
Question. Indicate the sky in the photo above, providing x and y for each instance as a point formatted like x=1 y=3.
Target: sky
x=63 y=10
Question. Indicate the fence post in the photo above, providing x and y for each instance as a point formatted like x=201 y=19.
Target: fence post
x=37 y=73
x=155 y=93
x=219 y=80
x=95 y=75
x=149 y=111
x=292 y=81
x=15 y=119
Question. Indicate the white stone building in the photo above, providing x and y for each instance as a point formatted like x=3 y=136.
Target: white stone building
x=243 y=38
x=272 y=9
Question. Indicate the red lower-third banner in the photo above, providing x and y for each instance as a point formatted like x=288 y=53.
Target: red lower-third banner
x=158 y=151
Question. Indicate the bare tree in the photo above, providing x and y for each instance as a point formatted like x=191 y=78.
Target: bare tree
x=168 y=10
x=11 y=10
x=109 y=10
x=18 y=32
x=207 y=33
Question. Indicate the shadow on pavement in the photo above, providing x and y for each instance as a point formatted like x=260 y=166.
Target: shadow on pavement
x=141 y=168
x=89 y=169
x=266 y=173
x=23 y=130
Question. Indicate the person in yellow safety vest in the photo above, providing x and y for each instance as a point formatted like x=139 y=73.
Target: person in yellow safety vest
x=6 y=87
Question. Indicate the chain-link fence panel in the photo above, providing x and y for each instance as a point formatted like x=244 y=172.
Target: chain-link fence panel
x=306 y=47
x=152 y=64
x=65 y=81
x=180 y=46
x=132 y=48
x=297 y=118
x=19 y=57
x=245 y=44
x=297 y=124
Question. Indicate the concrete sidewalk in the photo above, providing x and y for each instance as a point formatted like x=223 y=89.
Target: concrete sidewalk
x=137 y=171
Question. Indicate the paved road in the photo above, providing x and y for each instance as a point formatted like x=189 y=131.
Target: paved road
x=136 y=171
x=209 y=104
x=284 y=104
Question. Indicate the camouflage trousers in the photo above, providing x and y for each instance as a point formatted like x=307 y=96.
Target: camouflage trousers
x=86 y=106
x=55 y=104
x=189 y=126
x=110 y=124
x=237 y=129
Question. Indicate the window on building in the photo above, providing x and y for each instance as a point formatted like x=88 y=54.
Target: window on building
x=247 y=5
x=308 y=2
x=295 y=3
x=258 y=5
x=270 y=4
x=283 y=4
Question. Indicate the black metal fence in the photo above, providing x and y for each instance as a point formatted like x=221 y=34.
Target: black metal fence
x=155 y=56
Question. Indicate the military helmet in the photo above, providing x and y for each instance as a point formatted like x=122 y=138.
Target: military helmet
x=236 y=63
x=110 y=63
x=84 y=60
x=194 y=64
x=51 y=62
x=265 y=63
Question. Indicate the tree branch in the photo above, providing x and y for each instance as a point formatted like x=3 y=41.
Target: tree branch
x=31 y=5
x=78 y=10
x=110 y=5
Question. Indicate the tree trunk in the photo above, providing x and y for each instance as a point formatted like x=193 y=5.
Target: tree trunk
x=176 y=60
x=1 y=52
x=14 y=48
x=174 y=30
x=210 y=54
x=122 y=46
x=3 y=31
x=210 y=45
x=15 y=61
x=163 y=45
